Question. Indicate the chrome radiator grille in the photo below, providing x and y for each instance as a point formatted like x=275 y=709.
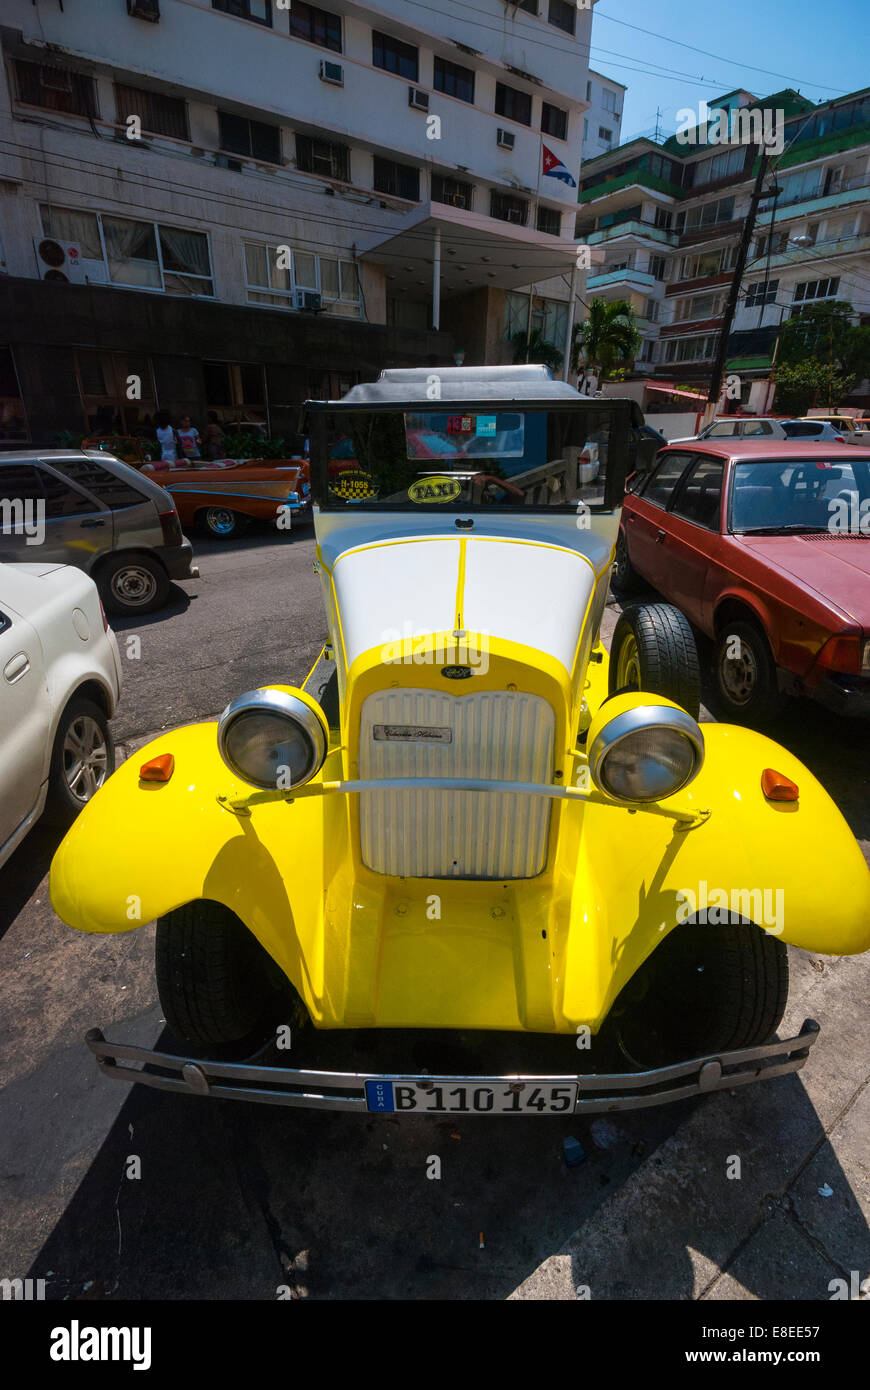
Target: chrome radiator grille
x=502 y=735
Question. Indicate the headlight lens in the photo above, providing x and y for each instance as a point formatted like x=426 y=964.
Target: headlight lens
x=646 y=753
x=272 y=739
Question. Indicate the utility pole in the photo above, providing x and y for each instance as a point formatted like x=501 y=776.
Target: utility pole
x=728 y=316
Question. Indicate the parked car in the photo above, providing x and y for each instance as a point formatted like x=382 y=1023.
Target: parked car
x=767 y=552
x=853 y=431
x=813 y=429
x=223 y=496
x=738 y=427
x=460 y=823
x=61 y=682
x=70 y=507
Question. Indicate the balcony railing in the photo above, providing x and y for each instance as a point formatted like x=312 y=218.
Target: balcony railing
x=636 y=227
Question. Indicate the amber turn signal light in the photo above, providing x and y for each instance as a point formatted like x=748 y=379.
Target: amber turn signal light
x=158 y=769
x=777 y=787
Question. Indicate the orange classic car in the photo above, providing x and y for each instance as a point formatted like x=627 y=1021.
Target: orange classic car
x=221 y=495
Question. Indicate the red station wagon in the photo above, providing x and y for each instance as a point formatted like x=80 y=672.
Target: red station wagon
x=766 y=549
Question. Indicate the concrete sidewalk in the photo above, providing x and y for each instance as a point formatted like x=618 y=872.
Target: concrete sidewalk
x=681 y=1228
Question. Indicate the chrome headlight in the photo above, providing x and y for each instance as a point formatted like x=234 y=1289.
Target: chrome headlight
x=272 y=739
x=646 y=752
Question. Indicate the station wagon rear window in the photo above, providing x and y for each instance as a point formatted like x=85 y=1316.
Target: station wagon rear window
x=474 y=456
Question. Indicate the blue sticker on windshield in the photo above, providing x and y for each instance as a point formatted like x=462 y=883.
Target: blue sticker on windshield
x=485 y=425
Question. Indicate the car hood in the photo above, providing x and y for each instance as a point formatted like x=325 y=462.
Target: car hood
x=837 y=568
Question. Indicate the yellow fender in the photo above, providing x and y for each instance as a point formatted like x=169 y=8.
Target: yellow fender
x=543 y=954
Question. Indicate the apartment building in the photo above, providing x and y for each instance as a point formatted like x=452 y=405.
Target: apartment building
x=244 y=203
x=603 y=121
x=670 y=217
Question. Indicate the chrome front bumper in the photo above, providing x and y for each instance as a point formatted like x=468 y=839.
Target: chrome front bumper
x=322 y=1090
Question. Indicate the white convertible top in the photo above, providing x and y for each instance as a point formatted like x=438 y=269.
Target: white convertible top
x=519 y=383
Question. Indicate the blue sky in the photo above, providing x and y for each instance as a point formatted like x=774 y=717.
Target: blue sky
x=800 y=44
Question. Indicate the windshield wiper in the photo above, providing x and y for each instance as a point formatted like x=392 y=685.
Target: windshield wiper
x=791 y=529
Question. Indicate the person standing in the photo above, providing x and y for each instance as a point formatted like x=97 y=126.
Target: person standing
x=166 y=438
x=188 y=439
x=214 y=437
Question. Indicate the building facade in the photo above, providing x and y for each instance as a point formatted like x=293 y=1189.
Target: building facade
x=244 y=203
x=670 y=218
x=603 y=121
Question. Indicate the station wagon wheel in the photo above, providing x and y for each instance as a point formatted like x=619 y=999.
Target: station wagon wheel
x=746 y=673
x=133 y=584
x=223 y=522
x=653 y=650
x=82 y=758
x=625 y=578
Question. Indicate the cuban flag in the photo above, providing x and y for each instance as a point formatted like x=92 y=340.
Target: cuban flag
x=554 y=168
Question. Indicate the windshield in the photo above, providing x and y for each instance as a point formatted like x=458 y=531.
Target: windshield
x=467 y=457
x=801 y=495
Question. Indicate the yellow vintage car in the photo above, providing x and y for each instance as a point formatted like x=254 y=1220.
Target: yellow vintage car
x=470 y=819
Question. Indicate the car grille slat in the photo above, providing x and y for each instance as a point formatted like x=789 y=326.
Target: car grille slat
x=505 y=736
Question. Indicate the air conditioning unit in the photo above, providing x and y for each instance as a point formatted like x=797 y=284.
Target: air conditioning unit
x=506 y=139
x=417 y=100
x=331 y=72
x=307 y=299
x=63 y=261
x=459 y=200
x=144 y=9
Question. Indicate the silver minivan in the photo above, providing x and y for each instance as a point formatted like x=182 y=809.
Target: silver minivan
x=92 y=511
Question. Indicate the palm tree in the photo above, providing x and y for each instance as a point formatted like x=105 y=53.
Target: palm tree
x=607 y=337
x=538 y=349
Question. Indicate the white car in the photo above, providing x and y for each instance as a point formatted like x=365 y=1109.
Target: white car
x=61 y=679
x=738 y=426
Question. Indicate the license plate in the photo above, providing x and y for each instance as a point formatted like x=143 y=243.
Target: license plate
x=458 y=1097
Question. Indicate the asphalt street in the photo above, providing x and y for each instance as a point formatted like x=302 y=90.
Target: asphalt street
x=239 y=1201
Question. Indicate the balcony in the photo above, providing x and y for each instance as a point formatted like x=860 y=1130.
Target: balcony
x=637 y=228
x=639 y=279
x=852 y=192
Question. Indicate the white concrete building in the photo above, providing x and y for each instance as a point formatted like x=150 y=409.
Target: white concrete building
x=257 y=202
x=602 y=123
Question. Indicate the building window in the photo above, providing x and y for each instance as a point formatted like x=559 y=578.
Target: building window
x=707 y=263
x=270 y=281
x=260 y=11
x=513 y=104
x=554 y=121
x=816 y=289
x=549 y=317
x=759 y=294
x=55 y=89
x=549 y=220
x=508 y=209
x=530 y=6
x=252 y=139
x=700 y=349
x=605 y=134
x=699 y=306
x=608 y=100
x=719 y=167
x=102 y=382
x=658 y=267
x=663 y=219
x=453 y=80
x=454 y=191
x=562 y=15
x=159 y=114
x=236 y=392
x=394 y=56
x=137 y=255
x=323 y=157
x=317 y=26
x=585 y=129
x=707 y=215
x=397 y=180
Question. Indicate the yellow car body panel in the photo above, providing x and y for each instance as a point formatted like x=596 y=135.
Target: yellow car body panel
x=544 y=954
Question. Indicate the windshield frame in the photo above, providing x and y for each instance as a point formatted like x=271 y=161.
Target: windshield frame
x=315 y=415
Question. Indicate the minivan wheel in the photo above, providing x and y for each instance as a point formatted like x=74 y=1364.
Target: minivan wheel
x=133 y=584
x=653 y=650
x=223 y=522
x=82 y=758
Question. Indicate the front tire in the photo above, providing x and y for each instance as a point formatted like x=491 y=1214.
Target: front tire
x=746 y=673
x=217 y=985
x=653 y=650
x=705 y=989
x=82 y=758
